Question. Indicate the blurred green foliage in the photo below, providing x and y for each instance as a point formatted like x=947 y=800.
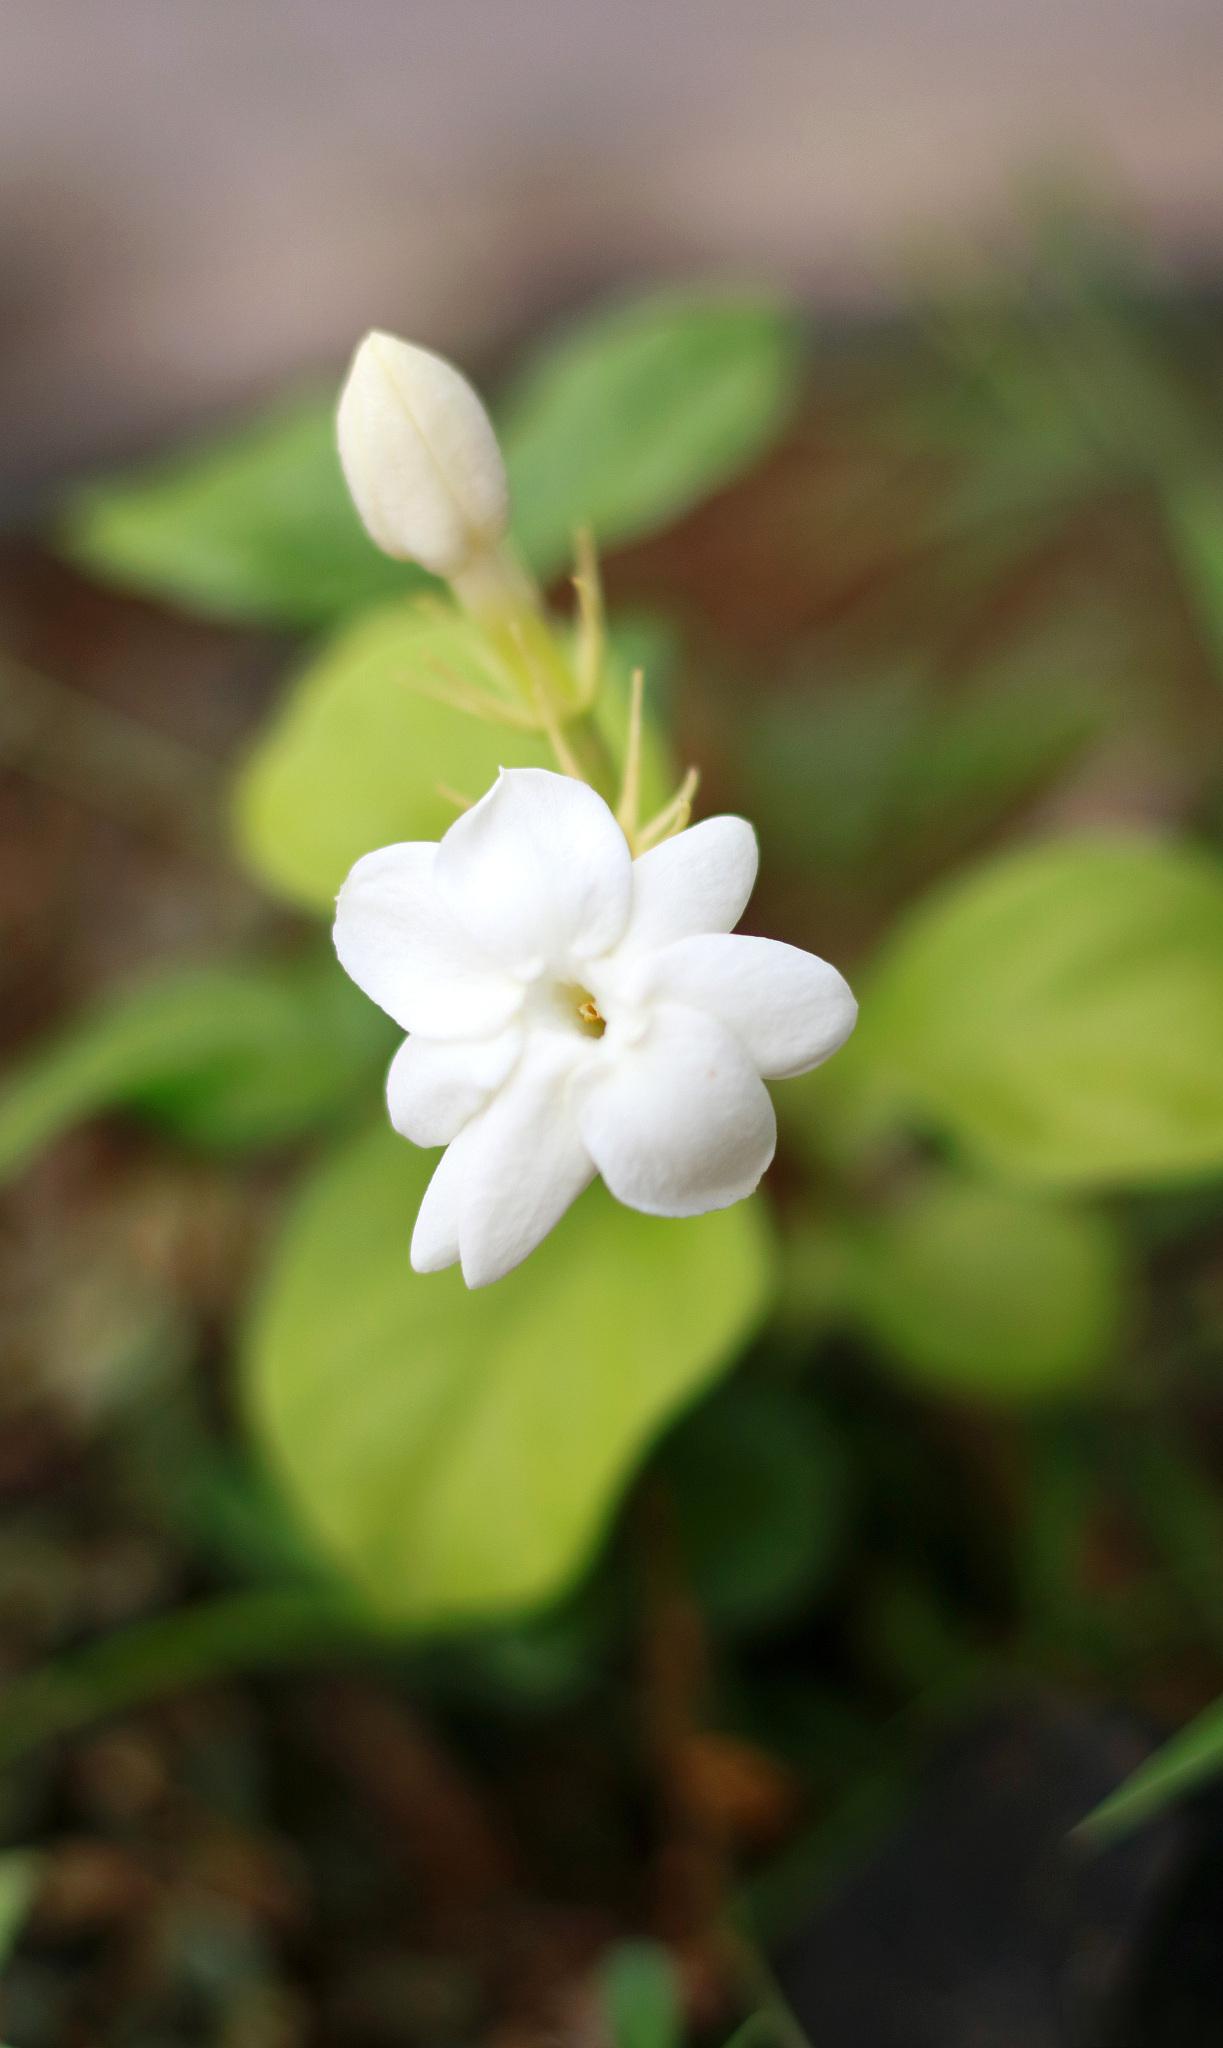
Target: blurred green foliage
x=1059 y=1012
x=230 y=1057
x=20 y=1870
x=840 y=776
x=1193 y=512
x=762 y=1497
x=641 y=1998
x=621 y=424
x=987 y=1291
x=258 y=526
x=635 y=415
x=1180 y=1767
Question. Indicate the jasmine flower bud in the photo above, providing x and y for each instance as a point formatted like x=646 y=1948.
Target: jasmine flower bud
x=421 y=461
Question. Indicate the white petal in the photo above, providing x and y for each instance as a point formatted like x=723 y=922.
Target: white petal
x=680 y=1122
x=396 y=938
x=788 y=1009
x=538 y=871
x=699 y=881
x=522 y=1162
x=435 y=1085
x=435 y=1240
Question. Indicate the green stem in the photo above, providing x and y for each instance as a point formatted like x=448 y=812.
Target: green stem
x=502 y=596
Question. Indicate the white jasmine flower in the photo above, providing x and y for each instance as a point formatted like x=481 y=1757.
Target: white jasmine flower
x=421 y=459
x=573 y=1011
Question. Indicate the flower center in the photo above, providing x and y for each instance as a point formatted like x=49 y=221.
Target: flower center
x=581 y=1005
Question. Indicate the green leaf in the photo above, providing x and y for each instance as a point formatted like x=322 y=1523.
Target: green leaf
x=354 y=757
x=875 y=767
x=768 y=2029
x=1190 y=1760
x=641 y=411
x=459 y=1454
x=255 y=525
x=1060 y=1013
x=980 y=1291
x=226 y=1057
x=759 y=1487
x=641 y=1999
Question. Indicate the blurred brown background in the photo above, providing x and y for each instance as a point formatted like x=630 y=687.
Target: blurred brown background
x=195 y=199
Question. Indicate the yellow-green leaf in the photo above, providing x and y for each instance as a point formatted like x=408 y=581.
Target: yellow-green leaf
x=459 y=1454
x=984 y=1292
x=1060 y=1013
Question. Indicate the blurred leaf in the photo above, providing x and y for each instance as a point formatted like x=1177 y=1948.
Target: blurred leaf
x=1060 y=1012
x=546 y=1660
x=823 y=768
x=20 y=1874
x=979 y=1291
x=1190 y=1760
x=227 y=1057
x=626 y=421
x=241 y=1631
x=760 y=1489
x=1060 y=378
x=221 y=1509
x=993 y=745
x=1193 y=519
x=254 y=525
x=773 y=2026
x=913 y=1633
x=1180 y=1505
x=1060 y=1505
x=459 y=1454
x=1050 y=395
x=760 y=2028
x=354 y=757
x=650 y=641
x=641 y=1998
x=640 y=411
x=878 y=765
